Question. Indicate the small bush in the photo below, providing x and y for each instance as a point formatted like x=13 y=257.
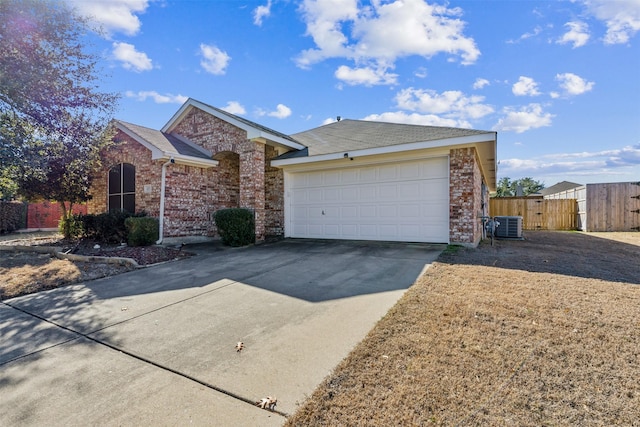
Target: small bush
x=142 y=231
x=13 y=216
x=107 y=227
x=72 y=227
x=236 y=226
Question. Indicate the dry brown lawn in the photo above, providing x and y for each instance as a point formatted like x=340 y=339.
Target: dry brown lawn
x=23 y=273
x=544 y=331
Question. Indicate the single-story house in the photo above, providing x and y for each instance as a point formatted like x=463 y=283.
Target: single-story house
x=350 y=179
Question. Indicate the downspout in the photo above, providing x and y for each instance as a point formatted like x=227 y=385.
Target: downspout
x=163 y=185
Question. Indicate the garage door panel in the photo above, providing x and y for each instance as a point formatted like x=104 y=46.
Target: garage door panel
x=387 y=191
x=331 y=195
x=407 y=201
x=349 y=212
x=348 y=194
x=367 y=193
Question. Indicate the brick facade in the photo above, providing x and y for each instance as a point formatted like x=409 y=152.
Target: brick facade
x=245 y=178
x=465 y=197
x=242 y=163
x=147 y=173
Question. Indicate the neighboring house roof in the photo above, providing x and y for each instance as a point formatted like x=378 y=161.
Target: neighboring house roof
x=166 y=146
x=254 y=130
x=558 y=188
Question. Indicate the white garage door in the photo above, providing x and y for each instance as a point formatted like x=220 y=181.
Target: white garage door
x=404 y=201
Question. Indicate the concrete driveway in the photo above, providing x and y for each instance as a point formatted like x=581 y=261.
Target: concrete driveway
x=156 y=346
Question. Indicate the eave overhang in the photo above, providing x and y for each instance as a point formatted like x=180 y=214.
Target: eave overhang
x=484 y=143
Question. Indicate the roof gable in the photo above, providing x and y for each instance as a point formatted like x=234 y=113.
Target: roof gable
x=254 y=130
x=166 y=146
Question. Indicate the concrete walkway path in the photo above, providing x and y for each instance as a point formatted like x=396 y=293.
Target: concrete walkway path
x=156 y=346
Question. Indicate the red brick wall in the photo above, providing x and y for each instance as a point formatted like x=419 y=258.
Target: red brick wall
x=188 y=195
x=147 y=173
x=221 y=137
x=274 y=196
x=465 y=197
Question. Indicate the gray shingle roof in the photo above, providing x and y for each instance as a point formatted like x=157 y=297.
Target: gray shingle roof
x=163 y=141
x=559 y=187
x=349 y=135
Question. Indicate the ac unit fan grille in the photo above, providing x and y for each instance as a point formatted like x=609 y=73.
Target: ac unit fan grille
x=509 y=226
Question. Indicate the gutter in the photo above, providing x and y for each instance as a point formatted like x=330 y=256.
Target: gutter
x=163 y=185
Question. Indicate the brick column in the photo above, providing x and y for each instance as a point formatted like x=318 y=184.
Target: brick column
x=465 y=198
x=252 y=183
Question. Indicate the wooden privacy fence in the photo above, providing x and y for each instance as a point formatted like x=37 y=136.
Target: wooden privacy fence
x=538 y=214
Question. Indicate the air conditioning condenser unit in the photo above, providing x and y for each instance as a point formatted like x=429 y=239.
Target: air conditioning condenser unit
x=509 y=227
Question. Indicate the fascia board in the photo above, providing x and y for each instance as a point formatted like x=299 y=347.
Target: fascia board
x=253 y=133
x=449 y=142
x=176 y=117
x=189 y=160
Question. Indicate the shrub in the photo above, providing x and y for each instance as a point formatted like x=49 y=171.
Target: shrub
x=72 y=227
x=106 y=227
x=142 y=231
x=236 y=226
x=13 y=216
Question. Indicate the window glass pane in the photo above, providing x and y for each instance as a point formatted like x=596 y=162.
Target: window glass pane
x=114 y=180
x=128 y=178
x=114 y=203
x=129 y=202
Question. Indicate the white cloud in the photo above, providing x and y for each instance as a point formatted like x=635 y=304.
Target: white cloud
x=622 y=18
x=157 y=97
x=281 y=112
x=374 y=36
x=573 y=84
x=365 y=76
x=528 y=117
x=421 y=73
x=451 y=104
x=537 y=30
x=581 y=163
x=525 y=86
x=234 y=107
x=113 y=16
x=480 y=83
x=214 y=60
x=416 y=119
x=131 y=59
x=261 y=12
x=578 y=34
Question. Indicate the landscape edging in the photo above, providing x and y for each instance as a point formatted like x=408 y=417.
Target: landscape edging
x=71 y=257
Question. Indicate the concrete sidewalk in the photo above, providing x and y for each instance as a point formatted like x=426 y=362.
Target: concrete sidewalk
x=156 y=346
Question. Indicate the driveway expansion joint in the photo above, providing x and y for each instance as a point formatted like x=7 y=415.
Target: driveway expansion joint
x=133 y=355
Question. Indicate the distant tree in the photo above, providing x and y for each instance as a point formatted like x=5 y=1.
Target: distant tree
x=52 y=116
x=508 y=188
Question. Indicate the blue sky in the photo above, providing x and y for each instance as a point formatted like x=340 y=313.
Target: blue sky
x=558 y=80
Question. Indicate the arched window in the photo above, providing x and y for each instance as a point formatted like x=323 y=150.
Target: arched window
x=122 y=188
